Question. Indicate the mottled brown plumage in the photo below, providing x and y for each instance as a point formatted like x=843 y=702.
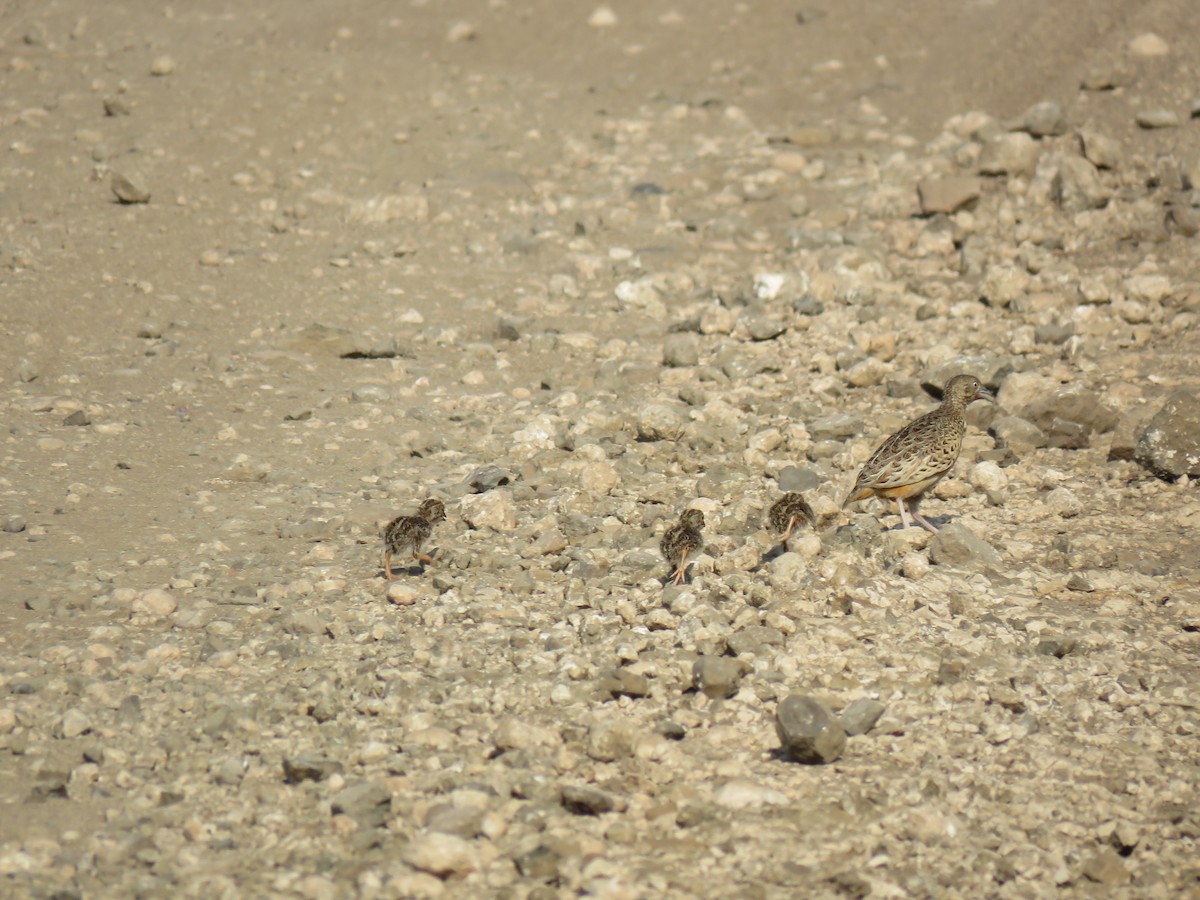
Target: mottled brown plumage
x=411 y=531
x=788 y=512
x=682 y=540
x=917 y=456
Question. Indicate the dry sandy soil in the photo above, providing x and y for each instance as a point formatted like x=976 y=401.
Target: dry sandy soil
x=389 y=243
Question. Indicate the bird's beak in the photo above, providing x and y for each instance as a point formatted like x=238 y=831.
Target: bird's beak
x=987 y=394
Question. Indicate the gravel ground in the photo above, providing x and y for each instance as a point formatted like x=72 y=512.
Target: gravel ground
x=275 y=275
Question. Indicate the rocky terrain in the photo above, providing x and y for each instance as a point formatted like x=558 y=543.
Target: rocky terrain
x=276 y=273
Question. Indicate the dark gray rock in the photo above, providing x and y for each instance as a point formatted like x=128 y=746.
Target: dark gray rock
x=487 y=478
x=753 y=638
x=584 y=800
x=309 y=767
x=808 y=731
x=1170 y=444
x=717 y=676
x=947 y=194
x=618 y=682
x=681 y=350
x=1019 y=435
x=861 y=715
x=368 y=802
x=799 y=479
x=1044 y=119
x=838 y=426
x=1072 y=404
x=762 y=328
x=128 y=191
x=959 y=548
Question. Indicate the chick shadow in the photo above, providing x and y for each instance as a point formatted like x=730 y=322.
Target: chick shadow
x=413 y=567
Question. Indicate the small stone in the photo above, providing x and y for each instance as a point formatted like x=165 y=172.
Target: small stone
x=1064 y=503
x=1157 y=118
x=1009 y=154
x=622 y=682
x=1099 y=78
x=1044 y=119
x=988 y=477
x=368 y=802
x=599 y=478
x=1105 y=866
x=610 y=741
x=487 y=478
x=370 y=393
x=717 y=676
x=1149 y=45
x=799 y=480
x=441 y=854
x=958 y=547
x=116 y=106
x=162 y=65
x=660 y=422
x=74 y=723
x=460 y=32
x=1100 y=150
x=1128 y=431
x=763 y=328
x=861 y=715
x=400 y=594
x=154 y=602
x=1170 y=445
x=741 y=793
x=14 y=524
x=309 y=767
x=914 y=566
x=602 y=17
x=495 y=510
x=1072 y=404
x=128 y=191
x=681 y=350
x=947 y=194
x=584 y=800
x=808 y=731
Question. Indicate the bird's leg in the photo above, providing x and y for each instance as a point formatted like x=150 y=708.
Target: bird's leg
x=787 y=533
x=422 y=557
x=679 y=572
x=903 y=512
x=387 y=565
x=920 y=518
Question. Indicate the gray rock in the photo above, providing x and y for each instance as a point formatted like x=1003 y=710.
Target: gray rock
x=661 y=422
x=1044 y=119
x=808 y=731
x=1157 y=118
x=947 y=194
x=1076 y=186
x=14 y=524
x=324 y=340
x=1072 y=404
x=753 y=638
x=309 y=767
x=128 y=191
x=487 y=478
x=1170 y=445
x=1100 y=150
x=838 y=426
x=991 y=370
x=584 y=800
x=717 y=676
x=370 y=393
x=1128 y=431
x=958 y=547
x=861 y=715
x=799 y=479
x=763 y=328
x=1009 y=154
x=618 y=682
x=1105 y=866
x=368 y=802
x=610 y=741
x=681 y=350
